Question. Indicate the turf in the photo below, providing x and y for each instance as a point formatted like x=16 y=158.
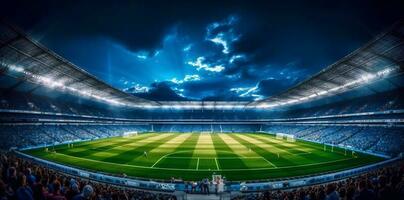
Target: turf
x=193 y=156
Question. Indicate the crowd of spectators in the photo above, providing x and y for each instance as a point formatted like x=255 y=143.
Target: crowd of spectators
x=383 y=184
x=385 y=140
x=21 y=136
x=374 y=103
x=69 y=104
x=23 y=180
x=205 y=186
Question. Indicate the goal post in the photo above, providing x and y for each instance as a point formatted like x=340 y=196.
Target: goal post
x=129 y=134
x=279 y=135
x=288 y=137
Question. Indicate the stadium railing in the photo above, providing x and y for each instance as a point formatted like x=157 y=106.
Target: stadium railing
x=230 y=186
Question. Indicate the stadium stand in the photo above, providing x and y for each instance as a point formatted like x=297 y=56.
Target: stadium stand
x=386 y=183
x=367 y=119
x=23 y=180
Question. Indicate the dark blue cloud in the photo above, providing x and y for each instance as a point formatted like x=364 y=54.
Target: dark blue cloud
x=240 y=50
x=159 y=91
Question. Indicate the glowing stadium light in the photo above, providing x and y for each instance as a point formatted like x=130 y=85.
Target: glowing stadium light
x=147 y=106
x=303 y=99
x=165 y=107
x=322 y=93
x=239 y=106
x=51 y=83
x=189 y=106
x=16 y=68
x=367 y=77
x=59 y=84
x=208 y=106
x=176 y=107
x=362 y=80
x=225 y=107
x=219 y=107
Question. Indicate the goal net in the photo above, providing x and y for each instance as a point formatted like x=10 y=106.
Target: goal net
x=288 y=137
x=129 y=134
x=279 y=135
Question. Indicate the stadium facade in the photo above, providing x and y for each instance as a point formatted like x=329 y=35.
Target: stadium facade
x=355 y=104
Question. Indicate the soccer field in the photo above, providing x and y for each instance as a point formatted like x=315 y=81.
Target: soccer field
x=193 y=156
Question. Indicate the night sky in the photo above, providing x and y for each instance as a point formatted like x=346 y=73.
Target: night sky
x=202 y=50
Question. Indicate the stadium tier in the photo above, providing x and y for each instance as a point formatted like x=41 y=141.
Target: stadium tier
x=65 y=134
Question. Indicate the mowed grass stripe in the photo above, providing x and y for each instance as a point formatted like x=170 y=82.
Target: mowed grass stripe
x=172 y=144
x=186 y=150
x=127 y=156
x=283 y=151
x=205 y=150
x=269 y=146
x=236 y=146
x=183 y=165
x=283 y=144
x=316 y=154
x=263 y=151
x=118 y=149
x=204 y=146
x=250 y=158
x=223 y=150
x=154 y=152
x=291 y=152
x=105 y=145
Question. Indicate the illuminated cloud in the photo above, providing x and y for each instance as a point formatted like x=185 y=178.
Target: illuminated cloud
x=223 y=33
x=219 y=40
x=137 y=89
x=187 y=78
x=244 y=91
x=203 y=66
x=194 y=77
x=236 y=57
x=187 y=48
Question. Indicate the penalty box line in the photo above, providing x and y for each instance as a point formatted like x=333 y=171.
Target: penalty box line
x=213 y=158
x=197 y=164
x=250 y=169
x=185 y=157
x=217 y=165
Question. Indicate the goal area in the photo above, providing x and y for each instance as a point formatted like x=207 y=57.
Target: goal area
x=287 y=137
x=129 y=134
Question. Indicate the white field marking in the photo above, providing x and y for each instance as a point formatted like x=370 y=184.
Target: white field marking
x=102 y=143
x=166 y=156
x=241 y=149
x=269 y=162
x=237 y=147
x=197 y=164
x=141 y=142
x=184 y=157
x=174 y=169
x=284 y=143
x=157 y=161
x=259 y=143
x=217 y=165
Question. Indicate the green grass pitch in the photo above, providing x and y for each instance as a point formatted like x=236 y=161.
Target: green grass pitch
x=193 y=156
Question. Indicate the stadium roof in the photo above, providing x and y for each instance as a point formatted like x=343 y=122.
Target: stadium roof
x=380 y=58
x=27 y=60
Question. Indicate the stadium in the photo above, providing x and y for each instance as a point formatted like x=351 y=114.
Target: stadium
x=72 y=132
